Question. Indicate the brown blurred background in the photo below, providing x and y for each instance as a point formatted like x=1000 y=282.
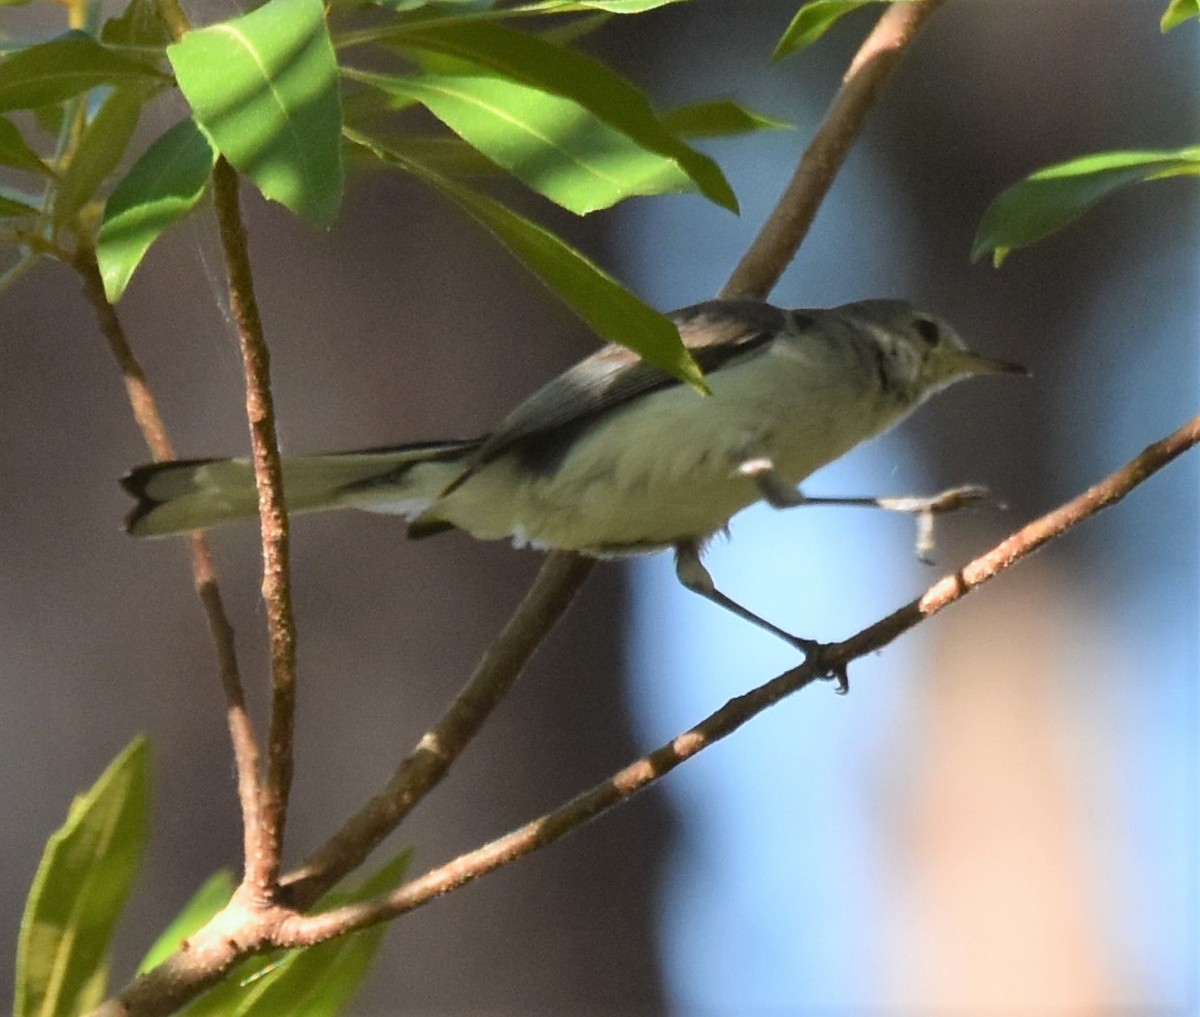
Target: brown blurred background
x=407 y=322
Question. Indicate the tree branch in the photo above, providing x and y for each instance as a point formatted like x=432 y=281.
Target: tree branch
x=780 y=238
x=263 y=860
x=440 y=746
x=204 y=575
x=300 y=930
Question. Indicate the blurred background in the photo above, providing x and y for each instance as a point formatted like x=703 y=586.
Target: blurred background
x=1001 y=817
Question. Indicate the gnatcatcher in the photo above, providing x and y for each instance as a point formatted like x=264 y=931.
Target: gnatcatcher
x=616 y=457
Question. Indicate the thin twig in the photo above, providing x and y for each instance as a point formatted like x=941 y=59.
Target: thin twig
x=781 y=235
x=204 y=576
x=429 y=762
x=262 y=861
x=307 y=930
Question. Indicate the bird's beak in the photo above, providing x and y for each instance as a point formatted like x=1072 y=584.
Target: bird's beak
x=966 y=362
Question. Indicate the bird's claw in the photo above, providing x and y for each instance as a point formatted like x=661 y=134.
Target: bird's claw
x=816 y=653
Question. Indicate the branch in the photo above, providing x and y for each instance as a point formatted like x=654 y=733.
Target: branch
x=302 y=930
x=780 y=238
x=537 y=614
x=204 y=575
x=262 y=861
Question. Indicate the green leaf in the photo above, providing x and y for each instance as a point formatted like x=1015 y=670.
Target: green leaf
x=264 y=86
x=99 y=150
x=163 y=185
x=1053 y=197
x=549 y=143
x=812 y=21
x=609 y=309
x=196 y=913
x=718 y=118
x=80 y=887
x=1177 y=12
x=16 y=153
x=540 y=64
x=56 y=70
x=140 y=25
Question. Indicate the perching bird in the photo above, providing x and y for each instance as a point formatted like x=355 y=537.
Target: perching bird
x=615 y=456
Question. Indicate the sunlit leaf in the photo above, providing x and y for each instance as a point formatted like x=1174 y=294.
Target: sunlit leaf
x=540 y=64
x=81 y=884
x=205 y=903
x=164 y=184
x=1179 y=11
x=609 y=309
x=552 y=144
x=1048 y=200
x=99 y=150
x=15 y=152
x=63 y=67
x=264 y=86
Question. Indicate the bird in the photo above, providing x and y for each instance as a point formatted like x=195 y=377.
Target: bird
x=617 y=457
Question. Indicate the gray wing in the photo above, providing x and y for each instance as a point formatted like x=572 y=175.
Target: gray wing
x=544 y=426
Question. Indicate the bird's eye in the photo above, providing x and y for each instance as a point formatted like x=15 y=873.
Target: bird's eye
x=927 y=330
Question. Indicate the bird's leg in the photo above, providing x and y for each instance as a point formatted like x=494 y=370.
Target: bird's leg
x=778 y=493
x=694 y=576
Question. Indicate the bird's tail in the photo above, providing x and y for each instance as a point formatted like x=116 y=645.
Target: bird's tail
x=175 y=497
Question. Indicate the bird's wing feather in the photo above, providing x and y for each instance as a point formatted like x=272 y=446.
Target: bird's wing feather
x=715 y=332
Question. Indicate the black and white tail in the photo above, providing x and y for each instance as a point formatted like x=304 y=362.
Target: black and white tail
x=183 y=495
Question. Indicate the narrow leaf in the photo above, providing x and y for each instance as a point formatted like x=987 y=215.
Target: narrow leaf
x=80 y=887
x=718 y=118
x=56 y=70
x=196 y=913
x=1179 y=11
x=264 y=86
x=551 y=144
x=16 y=153
x=812 y=21
x=611 y=311
x=1053 y=197
x=99 y=150
x=540 y=64
x=163 y=185
x=140 y=25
